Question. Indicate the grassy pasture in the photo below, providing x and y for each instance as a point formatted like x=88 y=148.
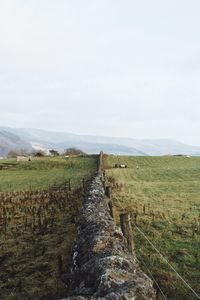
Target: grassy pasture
x=43 y=172
x=37 y=225
x=163 y=194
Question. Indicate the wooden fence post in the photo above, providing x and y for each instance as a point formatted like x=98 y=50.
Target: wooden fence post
x=108 y=191
x=111 y=208
x=100 y=163
x=110 y=202
x=125 y=222
x=69 y=185
x=83 y=183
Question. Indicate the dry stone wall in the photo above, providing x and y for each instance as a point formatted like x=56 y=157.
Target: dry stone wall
x=102 y=266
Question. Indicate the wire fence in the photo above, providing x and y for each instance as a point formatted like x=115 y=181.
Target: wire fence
x=151 y=275
x=164 y=259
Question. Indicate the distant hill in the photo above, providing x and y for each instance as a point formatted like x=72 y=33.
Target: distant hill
x=44 y=139
x=10 y=141
x=108 y=148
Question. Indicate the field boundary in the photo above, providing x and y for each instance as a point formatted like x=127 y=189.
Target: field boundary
x=102 y=266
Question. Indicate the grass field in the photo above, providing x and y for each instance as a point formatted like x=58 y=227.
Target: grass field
x=37 y=225
x=43 y=172
x=163 y=194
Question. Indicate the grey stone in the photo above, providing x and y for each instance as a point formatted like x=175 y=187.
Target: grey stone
x=102 y=266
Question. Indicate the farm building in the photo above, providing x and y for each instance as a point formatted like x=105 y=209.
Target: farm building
x=23 y=158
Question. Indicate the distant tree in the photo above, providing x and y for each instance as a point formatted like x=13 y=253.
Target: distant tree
x=24 y=152
x=73 y=151
x=39 y=153
x=13 y=154
x=17 y=152
x=54 y=152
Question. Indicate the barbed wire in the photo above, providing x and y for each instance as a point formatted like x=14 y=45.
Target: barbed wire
x=155 y=248
x=153 y=278
x=152 y=265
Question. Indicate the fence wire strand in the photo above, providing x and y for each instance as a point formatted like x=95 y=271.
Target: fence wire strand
x=153 y=278
x=154 y=247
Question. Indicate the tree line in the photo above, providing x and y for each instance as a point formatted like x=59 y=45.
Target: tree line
x=42 y=153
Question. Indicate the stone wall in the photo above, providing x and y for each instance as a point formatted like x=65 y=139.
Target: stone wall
x=102 y=266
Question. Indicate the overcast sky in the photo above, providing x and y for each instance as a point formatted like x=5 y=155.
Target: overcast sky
x=105 y=67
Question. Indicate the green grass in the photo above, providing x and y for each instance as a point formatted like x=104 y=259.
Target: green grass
x=37 y=226
x=164 y=195
x=43 y=172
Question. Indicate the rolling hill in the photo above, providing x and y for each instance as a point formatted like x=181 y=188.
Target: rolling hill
x=10 y=141
x=28 y=138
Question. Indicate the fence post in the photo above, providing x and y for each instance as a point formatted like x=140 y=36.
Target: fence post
x=104 y=179
x=83 y=183
x=111 y=208
x=69 y=185
x=108 y=191
x=110 y=202
x=125 y=222
x=100 y=165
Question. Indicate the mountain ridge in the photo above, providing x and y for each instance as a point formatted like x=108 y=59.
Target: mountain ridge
x=9 y=141
x=93 y=144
